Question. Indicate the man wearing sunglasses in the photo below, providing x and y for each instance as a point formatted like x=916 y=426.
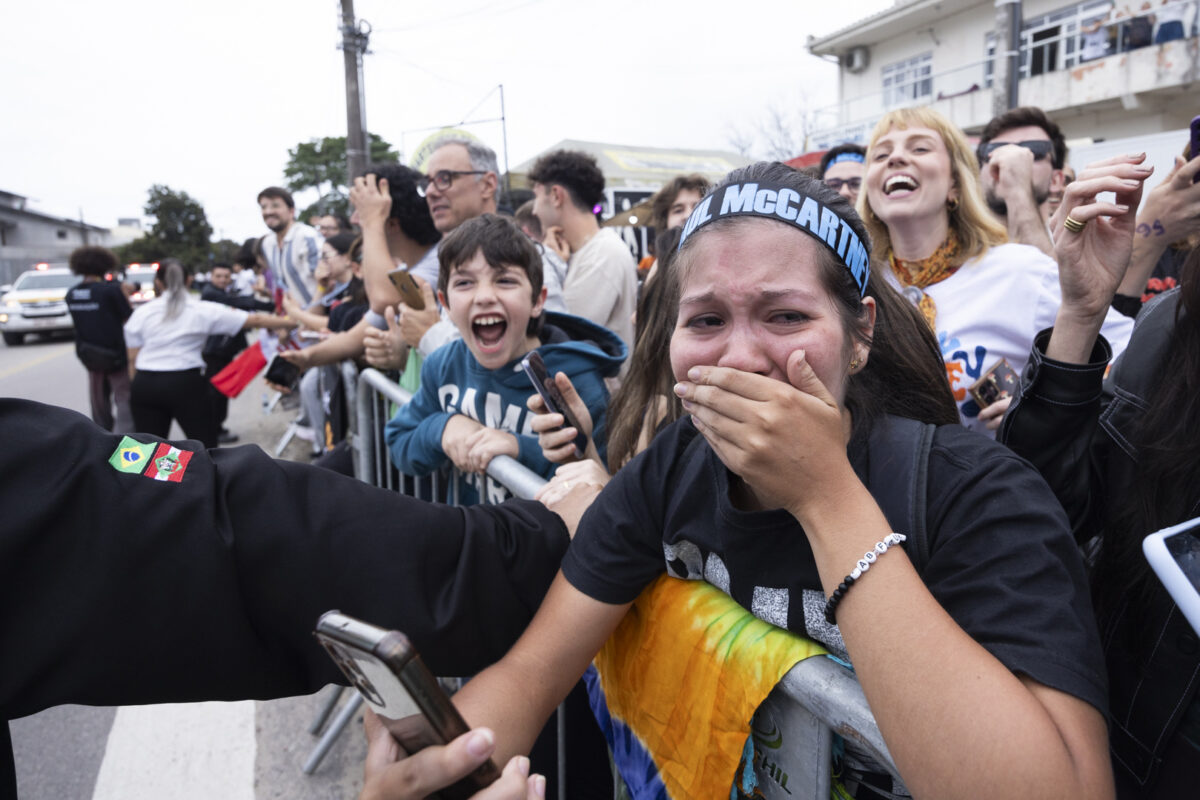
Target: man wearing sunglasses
x=1021 y=156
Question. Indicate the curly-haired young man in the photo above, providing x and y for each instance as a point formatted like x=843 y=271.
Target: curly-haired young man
x=601 y=282
x=99 y=307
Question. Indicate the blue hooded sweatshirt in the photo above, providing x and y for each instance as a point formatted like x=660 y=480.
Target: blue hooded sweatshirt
x=453 y=382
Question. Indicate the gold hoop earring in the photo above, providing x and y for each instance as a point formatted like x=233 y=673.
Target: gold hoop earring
x=952 y=204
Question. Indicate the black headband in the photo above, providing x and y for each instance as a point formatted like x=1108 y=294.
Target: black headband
x=783 y=203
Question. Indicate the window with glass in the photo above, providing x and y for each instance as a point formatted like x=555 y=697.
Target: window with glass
x=909 y=81
x=1061 y=39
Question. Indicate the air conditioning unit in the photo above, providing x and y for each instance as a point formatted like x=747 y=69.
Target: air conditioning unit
x=857 y=59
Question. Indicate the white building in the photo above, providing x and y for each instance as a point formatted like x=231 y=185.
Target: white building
x=1093 y=66
x=28 y=237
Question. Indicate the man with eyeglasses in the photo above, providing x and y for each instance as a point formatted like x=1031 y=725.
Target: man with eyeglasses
x=842 y=169
x=461 y=182
x=1021 y=157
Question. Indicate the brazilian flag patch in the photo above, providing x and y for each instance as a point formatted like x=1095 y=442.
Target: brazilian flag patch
x=131 y=456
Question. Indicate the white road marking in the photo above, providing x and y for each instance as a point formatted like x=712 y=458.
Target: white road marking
x=193 y=751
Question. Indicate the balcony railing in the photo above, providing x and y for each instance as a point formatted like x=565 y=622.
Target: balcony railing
x=1055 y=49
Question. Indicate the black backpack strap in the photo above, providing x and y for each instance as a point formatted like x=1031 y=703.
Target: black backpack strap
x=898 y=478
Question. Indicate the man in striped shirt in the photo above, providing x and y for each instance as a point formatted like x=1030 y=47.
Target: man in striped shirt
x=293 y=252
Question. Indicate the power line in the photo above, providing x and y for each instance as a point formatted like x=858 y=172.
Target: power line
x=460 y=15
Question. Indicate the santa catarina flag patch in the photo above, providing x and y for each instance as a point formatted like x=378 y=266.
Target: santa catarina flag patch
x=168 y=463
x=131 y=456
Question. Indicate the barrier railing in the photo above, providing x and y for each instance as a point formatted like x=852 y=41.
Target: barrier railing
x=816 y=699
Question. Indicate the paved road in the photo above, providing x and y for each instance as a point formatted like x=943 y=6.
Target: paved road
x=206 y=751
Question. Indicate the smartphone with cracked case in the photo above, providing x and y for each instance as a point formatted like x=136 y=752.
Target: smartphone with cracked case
x=1174 y=555
x=387 y=671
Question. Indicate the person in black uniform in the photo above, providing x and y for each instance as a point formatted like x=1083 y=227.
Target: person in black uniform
x=152 y=572
x=99 y=307
x=220 y=349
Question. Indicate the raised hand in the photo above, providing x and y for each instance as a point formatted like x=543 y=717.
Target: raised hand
x=371 y=200
x=1092 y=260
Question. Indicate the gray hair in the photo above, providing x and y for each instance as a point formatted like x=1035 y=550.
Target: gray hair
x=483 y=158
x=174 y=277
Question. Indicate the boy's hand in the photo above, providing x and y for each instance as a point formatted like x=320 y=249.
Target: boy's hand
x=415 y=324
x=456 y=440
x=487 y=443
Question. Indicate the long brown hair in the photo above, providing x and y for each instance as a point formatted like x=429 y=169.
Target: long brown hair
x=905 y=374
x=647 y=388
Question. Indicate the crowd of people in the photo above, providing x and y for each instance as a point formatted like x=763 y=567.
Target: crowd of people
x=745 y=399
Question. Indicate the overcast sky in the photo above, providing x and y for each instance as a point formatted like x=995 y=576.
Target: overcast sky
x=102 y=99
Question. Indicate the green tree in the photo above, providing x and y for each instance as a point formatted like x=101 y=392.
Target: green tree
x=320 y=164
x=180 y=230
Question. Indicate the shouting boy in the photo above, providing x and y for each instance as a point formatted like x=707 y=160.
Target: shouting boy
x=471 y=404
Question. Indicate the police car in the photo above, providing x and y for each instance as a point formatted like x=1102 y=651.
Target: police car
x=141 y=277
x=36 y=303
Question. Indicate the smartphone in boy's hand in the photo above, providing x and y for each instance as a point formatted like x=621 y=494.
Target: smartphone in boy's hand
x=543 y=382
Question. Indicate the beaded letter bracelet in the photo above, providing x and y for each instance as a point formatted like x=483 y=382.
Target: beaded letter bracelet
x=862 y=566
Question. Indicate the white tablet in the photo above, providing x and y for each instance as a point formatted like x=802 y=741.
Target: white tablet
x=1174 y=553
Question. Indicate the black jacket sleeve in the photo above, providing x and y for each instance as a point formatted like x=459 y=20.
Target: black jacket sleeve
x=119 y=589
x=1052 y=424
x=242 y=302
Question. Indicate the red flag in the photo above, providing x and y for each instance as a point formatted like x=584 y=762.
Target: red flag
x=239 y=372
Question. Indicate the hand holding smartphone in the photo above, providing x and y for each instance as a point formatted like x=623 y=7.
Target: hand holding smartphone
x=407 y=286
x=282 y=372
x=387 y=671
x=1000 y=381
x=543 y=382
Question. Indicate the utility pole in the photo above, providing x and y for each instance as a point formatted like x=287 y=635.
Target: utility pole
x=1006 y=74
x=354 y=44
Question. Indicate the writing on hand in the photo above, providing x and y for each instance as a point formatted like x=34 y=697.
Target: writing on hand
x=1146 y=230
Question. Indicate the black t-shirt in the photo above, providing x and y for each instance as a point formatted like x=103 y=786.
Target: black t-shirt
x=1002 y=561
x=345 y=315
x=99 y=309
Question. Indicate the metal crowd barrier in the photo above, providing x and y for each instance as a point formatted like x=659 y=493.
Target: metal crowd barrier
x=815 y=700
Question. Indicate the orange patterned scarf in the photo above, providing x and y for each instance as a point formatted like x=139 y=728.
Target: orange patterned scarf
x=944 y=262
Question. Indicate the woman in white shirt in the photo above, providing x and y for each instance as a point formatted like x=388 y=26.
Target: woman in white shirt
x=934 y=237
x=165 y=339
